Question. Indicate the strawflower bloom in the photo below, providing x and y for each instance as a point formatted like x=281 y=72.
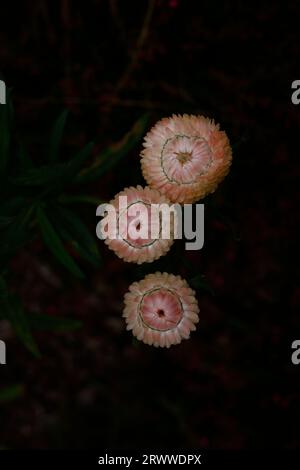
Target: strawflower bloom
x=185 y=157
x=161 y=309
x=141 y=247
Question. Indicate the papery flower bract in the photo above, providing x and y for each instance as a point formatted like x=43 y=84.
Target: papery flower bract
x=185 y=157
x=139 y=249
x=161 y=309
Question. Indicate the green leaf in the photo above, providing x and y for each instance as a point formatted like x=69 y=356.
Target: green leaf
x=73 y=229
x=12 y=206
x=3 y=289
x=4 y=221
x=45 y=175
x=93 y=259
x=16 y=233
x=25 y=161
x=10 y=393
x=56 y=136
x=44 y=322
x=108 y=159
x=81 y=199
x=75 y=164
x=14 y=313
x=55 y=176
x=55 y=245
x=5 y=121
x=77 y=230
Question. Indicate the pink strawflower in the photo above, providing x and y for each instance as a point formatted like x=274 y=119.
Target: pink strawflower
x=185 y=157
x=161 y=309
x=138 y=249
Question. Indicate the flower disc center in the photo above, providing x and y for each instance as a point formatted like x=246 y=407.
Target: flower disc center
x=161 y=309
x=183 y=157
x=160 y=313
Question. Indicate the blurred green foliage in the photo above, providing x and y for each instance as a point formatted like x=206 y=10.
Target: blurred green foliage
x=39 y=201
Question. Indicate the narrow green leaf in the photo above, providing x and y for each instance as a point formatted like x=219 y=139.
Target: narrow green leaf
x=108 y=159
x=81 y=199
x=12 y=206
x=72 y=229
x=14 y=313
x=93 y=259
x=44 y=322
x=55 y=245
x=16 y=233
x=10 y=393
x=56 y=136
x=75 y=164
x=55 y=176
x=45 y=175
x=76 y=229
x=25 y=161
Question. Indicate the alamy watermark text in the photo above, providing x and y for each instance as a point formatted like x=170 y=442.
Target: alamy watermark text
x=2 y=92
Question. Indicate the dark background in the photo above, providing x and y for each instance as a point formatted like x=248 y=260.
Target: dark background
x=232 y=385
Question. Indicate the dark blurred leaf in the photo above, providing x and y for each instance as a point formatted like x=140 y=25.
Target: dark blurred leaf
x=56 y=136
x=108 y=159
x=75 y=164
x=73 y=229
x=55 y=245
x=8 y=394
x=3 y=289
x=13 y=311
x=81 y=199
x=5 y=118
x=55 y=176
x=44 y=322
x=199 y=283
x=92 y=259
x=4 y=221
x=25 y=161
x=12 y=206
x=15 y=234
x=42 y=176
